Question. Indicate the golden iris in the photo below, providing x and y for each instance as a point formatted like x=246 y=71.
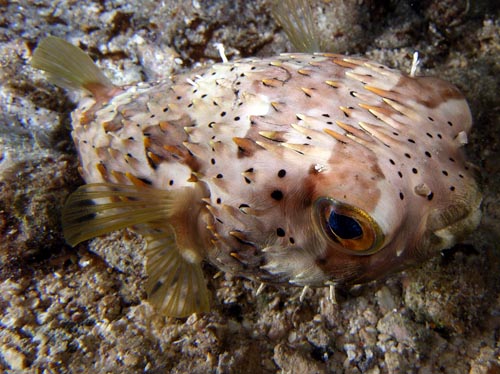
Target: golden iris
x=348 y=226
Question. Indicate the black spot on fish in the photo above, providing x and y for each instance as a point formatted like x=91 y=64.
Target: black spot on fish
x=430 y=196
x=277 y=195
x=220 y=176
x=280 y=232
x=146 y=181
x=428 y=154
x=445 y=173
x=321 y=261
x=414 y=171
x=401 y=196
x=281 y=173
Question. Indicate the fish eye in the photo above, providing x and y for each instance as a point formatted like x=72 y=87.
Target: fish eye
x=352 y=229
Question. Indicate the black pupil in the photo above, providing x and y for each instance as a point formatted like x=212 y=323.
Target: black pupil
x=344 y=227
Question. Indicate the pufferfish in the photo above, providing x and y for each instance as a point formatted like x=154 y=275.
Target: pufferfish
x=303 y=169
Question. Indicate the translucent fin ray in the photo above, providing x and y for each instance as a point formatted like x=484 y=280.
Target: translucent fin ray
x=97 y=209
x=176 y=286
x=295 y=17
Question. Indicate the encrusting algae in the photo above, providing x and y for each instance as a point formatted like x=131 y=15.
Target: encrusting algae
x=304 y=169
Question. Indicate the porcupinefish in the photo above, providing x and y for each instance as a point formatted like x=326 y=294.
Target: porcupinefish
x=306 y=169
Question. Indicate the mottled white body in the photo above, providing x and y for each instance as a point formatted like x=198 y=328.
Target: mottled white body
x=305 y=169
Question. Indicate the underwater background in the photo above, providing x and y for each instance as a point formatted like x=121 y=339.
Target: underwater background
x=83 y=309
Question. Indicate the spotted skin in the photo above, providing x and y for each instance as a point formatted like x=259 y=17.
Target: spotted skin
x=261 y=140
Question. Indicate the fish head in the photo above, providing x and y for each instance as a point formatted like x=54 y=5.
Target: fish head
x=374 y=200
x=392 y=203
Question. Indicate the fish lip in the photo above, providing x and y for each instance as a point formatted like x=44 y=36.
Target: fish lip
x=459 y=229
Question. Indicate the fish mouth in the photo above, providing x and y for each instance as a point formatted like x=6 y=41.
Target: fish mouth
x=457 y=221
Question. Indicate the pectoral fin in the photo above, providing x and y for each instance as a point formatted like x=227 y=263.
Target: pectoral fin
x=100 y=208
x=176 y=285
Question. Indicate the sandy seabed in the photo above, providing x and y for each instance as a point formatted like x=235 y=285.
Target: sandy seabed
x=82 y=310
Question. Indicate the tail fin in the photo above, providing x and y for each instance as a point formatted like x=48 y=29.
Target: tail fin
x=69 y=67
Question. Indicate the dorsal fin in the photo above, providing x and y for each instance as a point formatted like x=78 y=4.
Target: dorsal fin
x=295 y=17
x=69 y=67
x=175 y=285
